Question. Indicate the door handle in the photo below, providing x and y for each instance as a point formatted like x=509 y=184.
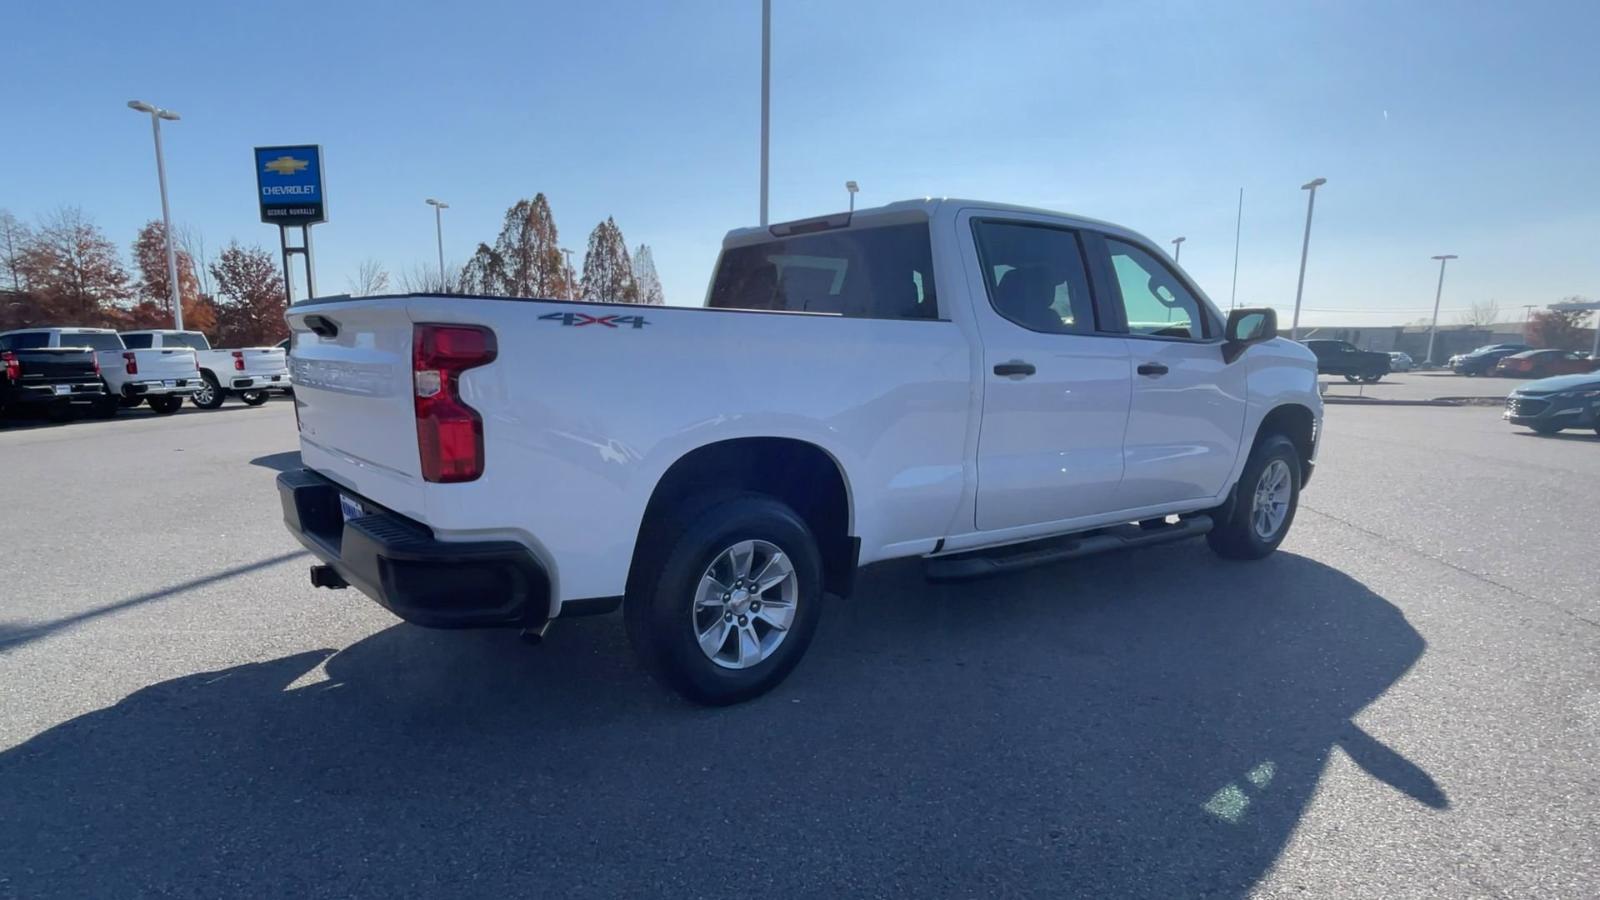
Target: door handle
x=1152 y=369
x=1015 y=368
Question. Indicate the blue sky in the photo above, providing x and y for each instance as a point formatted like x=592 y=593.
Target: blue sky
x=1471 y=129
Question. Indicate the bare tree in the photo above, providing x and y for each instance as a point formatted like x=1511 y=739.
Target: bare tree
x=645 y=277
x=426 y=279
x=14 y=236
x=371 y=278
x=1481 y=314
x=192 y=242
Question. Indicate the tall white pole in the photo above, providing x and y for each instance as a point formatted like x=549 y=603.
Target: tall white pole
x=1305 y=247
x=1238 y=224
x=1437 y=294
x=766 y=94
x=438 y=230
x=166 y=223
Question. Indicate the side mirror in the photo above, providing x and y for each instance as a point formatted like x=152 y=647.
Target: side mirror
x=1246 y=327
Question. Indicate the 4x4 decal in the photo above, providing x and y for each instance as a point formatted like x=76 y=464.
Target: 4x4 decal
x=579 y=320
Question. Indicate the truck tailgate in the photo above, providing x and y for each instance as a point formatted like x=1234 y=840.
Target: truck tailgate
x=354 y=395
x=52 y=366
x=154 y=365
x=263 y=361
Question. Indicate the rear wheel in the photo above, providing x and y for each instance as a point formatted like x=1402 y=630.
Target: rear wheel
x=105 y=408
x=165 y=405
x=1264 y=502
x=1352 y=378
x=210 y=395
x=253 y=398
x=724 y=600
x=1371 y=379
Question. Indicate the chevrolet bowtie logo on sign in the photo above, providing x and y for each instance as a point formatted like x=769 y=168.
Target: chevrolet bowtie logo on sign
x=286 y=165
x=289 y=185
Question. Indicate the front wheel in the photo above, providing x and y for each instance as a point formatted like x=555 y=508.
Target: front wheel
x=165 y=405
x=253 y=398
x=1352 y=378
x=727 y=605
x=1264 y=502
x=210 y=395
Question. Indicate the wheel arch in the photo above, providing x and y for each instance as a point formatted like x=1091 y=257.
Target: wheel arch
x=1296 y=422
x=801 y=474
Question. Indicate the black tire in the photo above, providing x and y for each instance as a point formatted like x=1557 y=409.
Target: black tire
x=253 y=398
x=1233 y=535
x=105 y=408
x=1371 y=379
x=1545 y=428
x=211 y=395
x=164 y=404
x=129 y=402
x=1352 y=378
x=673 y=557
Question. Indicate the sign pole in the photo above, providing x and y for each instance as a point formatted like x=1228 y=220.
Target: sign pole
x=311 y=268
x=288 y=273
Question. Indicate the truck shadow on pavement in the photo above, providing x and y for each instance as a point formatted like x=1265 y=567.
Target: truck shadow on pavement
x=1144 y=725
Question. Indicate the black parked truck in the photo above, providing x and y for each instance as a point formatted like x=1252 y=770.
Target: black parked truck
x=50 y=380
x=1342 y=358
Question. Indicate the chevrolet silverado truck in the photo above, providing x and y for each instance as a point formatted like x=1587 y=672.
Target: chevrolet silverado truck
x=249 y=372
x=35 y=377
x=161 y=377
x=989 y=387
x=1344 y=358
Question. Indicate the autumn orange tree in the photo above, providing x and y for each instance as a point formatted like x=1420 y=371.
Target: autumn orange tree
x=607 y=268
x=250 y=297
x=1560 y=329
x=72 y=271
x=153 y=290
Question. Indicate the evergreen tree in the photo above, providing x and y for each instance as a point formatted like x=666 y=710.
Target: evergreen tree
x=644 y=275
x=607 y=270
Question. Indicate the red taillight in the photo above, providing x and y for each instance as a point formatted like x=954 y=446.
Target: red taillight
x=449 y=432
x=13 y=366
x=238 y=360
x=95 y=358
x=130 y=362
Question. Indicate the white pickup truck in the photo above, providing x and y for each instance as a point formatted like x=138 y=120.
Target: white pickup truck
x=160 y=377
x=986 y=386
x=249 y=372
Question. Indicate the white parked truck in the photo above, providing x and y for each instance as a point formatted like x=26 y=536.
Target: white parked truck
x=161 y=377
x=985 y=386
x=249 y=372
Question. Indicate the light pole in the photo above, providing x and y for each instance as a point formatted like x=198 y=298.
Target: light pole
x=156 y=115
x=766 y=94
x=570 y=285
x=1177 y=248
x=1438 y=292
x=1305 y=246
x=852 y=187
x=438 y=229
x=1238 y=225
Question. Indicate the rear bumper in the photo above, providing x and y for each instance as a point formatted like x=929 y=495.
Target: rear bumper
x=42 y=394
x=277 y=381
x=399 y=563
x=154 y=388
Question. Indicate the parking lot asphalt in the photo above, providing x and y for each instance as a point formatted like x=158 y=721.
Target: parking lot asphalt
x=1424 y=386
x=1404 y=701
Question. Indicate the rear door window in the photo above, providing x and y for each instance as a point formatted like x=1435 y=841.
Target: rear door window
x=1035 y=276
x=864 y=273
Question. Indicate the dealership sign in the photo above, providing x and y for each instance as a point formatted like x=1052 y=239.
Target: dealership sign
x=289 y=185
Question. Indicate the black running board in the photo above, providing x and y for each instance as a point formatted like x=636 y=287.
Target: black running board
x=1016 y=557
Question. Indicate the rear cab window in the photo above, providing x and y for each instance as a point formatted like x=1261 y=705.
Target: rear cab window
x=868 y=272
x=94 y=340
x=137 y=341
x=27 y=340
x=188 y=341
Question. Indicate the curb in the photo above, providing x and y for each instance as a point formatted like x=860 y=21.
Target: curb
x=1436 y=401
